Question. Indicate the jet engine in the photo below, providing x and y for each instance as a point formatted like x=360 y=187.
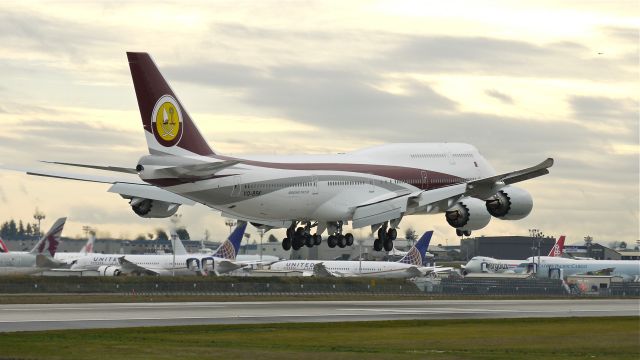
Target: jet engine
x=148 y=208
x=510 y=203
x=468 y=214
x=109 y=271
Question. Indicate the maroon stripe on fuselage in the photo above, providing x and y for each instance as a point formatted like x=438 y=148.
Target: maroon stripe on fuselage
x=412 y=176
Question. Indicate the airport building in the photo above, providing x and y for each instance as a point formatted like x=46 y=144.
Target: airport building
x=505 y=247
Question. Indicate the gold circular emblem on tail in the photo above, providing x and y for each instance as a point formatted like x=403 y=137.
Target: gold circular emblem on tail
x=167 y=121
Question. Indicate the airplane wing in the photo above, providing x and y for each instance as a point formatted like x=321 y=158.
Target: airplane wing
x=127 y=267
x=128 y=187
x=379 y=210
x=483 y=186
x=321 y=271
x=224 y=266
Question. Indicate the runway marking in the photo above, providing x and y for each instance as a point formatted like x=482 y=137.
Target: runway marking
x=97 y=308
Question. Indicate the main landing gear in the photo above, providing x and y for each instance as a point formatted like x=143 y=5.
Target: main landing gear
x=385 y=238
x=301 y=236
x=461 y=233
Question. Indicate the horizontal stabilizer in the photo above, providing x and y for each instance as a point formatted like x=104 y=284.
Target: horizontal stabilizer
x=98 y=167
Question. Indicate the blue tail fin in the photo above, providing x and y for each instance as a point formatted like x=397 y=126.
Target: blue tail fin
x=417 y=253
x=229 y=249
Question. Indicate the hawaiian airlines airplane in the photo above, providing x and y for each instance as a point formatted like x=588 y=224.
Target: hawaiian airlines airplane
x=409 y=266
x=558 y=267
x=486 y=264
x=22 y=262
x=219 y=262
x=307 y=194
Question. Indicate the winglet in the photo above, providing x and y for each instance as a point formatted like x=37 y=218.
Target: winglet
x=229 y=249
x=417 y=253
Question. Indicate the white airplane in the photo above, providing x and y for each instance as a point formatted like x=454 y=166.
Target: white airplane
x=485 y=264
x=407 y=267
x=219 y=262
x=69 y=257
x=306 y=194
x=23 y=262
x=558 y=267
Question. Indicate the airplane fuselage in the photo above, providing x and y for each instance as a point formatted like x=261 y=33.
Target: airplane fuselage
x=329 y=187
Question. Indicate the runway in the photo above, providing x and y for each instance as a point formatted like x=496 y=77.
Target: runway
x=34 y=317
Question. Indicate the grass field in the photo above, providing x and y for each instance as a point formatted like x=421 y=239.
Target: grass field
x=559 y=338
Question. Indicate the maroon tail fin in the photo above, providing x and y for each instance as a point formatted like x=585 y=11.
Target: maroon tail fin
x=168 y=127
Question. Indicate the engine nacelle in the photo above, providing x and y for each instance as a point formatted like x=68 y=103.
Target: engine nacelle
x=148 y=208
x=510 y=203
x=468 y=214
x=109 y=271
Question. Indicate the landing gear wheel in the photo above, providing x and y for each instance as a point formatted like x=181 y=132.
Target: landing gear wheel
x=467 y=233
x=317 y=239
x=297 y=243
x=286 y=244
x=377 y=245
x=388 y=245
x=459 y=232
x=342 y=242
x=382 y=234
x=332 y=241
x=300 y=231
x=349 y=238
x=392 y=234
x=308 y=241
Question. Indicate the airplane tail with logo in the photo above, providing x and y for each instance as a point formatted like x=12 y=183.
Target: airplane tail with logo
x=88 y=247
x=168 y=127
x=229 y=249
x=558 y=248
x=48 y=244
x=3 y=247
x=417 y=253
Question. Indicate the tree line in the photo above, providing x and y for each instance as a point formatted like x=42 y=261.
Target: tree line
x=11 y=230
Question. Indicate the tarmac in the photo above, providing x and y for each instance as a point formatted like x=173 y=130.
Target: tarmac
x=37 y=317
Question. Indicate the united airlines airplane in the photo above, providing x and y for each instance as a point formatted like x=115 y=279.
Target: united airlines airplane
x=309 y=195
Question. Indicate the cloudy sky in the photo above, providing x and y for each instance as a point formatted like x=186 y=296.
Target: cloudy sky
x=521 y=81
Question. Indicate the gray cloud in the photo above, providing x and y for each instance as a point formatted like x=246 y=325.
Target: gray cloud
x=499 y=96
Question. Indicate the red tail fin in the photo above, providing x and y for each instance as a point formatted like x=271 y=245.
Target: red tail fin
x=168 y=127
x=558 y=248
x=3 y=247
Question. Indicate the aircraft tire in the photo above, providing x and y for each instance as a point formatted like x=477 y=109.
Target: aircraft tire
x=332 y=241
x=467 y=233
x=382 y=235
x=377 y=245
x=392 y=234
x=349 y=238
x=388 y=245
x=308 y=241
x=297 y=243
x=286 y=244
x=459 y=232
x=342 y=242
x=317 y=239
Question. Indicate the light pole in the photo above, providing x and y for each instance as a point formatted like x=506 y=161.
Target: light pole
x=261 y=232
x=39 y=216
x=230 y=223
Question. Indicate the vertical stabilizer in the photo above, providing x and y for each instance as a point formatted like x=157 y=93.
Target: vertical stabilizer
x=168 y=127
x=558 y=248
x=417 y=253
x=3 y=247
x=229 y=249
x=88 y=247
x=176 y=243
x=48 y=244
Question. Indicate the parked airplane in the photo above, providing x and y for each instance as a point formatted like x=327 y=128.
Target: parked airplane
x=22 y=262
x=408 y=266
x=3 y=247
x=558 y=267
x=220 y=262
x=69 y=257
x=479 y=264
x=374 y=187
